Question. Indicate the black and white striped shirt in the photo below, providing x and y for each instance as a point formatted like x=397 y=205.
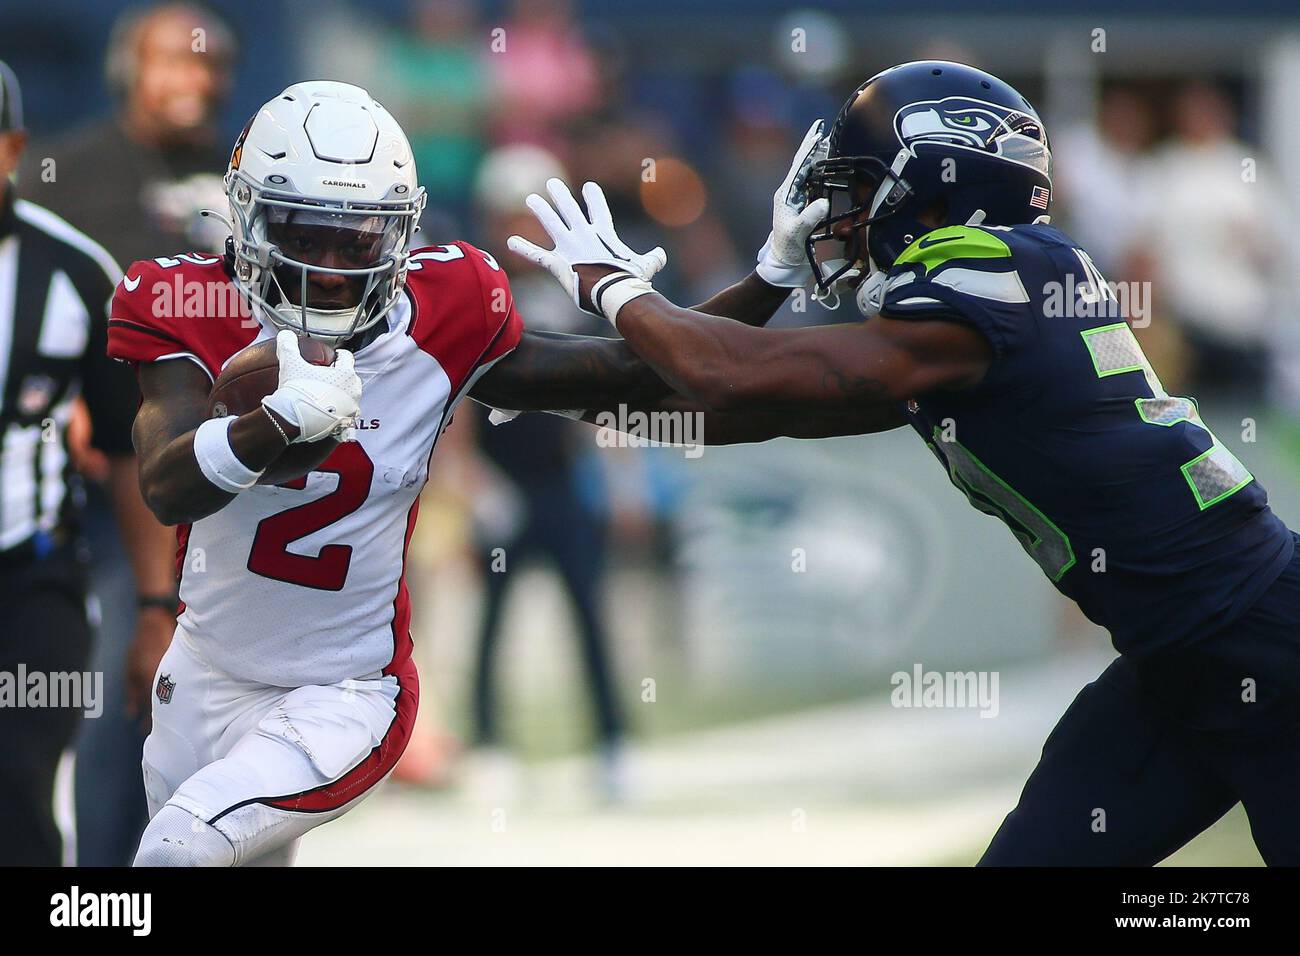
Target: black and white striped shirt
x=55 y=288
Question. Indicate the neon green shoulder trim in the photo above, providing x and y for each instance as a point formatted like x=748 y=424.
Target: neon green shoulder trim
x=953 y=242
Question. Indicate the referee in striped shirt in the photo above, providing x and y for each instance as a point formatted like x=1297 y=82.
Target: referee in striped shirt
x=55 y=288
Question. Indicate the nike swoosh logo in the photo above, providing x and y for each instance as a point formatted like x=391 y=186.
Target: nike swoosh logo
x=131 y=284
x=926 y=243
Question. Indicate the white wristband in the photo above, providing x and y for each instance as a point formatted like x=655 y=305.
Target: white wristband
x=616 y=290
x=217 y=459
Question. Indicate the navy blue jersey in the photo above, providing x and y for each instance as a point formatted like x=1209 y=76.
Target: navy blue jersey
x=1116 y=489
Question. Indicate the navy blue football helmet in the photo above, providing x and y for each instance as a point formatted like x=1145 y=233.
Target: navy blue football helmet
x=921 y=135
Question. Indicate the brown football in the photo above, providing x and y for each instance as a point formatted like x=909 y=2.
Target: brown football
x=252 y=375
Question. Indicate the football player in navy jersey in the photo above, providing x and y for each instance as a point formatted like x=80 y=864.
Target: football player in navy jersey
x=993 y=335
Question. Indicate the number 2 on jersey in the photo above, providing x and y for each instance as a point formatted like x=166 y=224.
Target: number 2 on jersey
x=328 y=570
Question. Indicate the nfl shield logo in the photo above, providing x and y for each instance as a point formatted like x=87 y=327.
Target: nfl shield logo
x=35 y=393
x=165 y=687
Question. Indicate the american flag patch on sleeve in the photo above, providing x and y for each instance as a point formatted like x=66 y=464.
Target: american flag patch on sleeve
x=1040 y=197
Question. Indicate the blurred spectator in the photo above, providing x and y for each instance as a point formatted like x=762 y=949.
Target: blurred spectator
x=543 y=72
x=137 y=181
x=761 y=133
x=1212 y=230
x=140 y=177
x=537 y=455
x=1102 y=177
x=435 y=79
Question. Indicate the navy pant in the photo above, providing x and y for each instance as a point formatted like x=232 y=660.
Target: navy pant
x=1153 y=752
x=560 y=529
x=110 y=804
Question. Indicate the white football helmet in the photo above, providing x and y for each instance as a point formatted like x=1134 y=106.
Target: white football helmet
x=324 y=202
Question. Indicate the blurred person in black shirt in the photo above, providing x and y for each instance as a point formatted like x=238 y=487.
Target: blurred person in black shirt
x=135 y=180
x=538 y=455
x=140 y=177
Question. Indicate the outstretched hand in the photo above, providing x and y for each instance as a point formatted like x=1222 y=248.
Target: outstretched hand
x=588 y=239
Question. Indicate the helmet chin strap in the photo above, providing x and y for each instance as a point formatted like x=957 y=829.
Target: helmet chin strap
x=870 y=294
x=830 y=299
x=293 y=318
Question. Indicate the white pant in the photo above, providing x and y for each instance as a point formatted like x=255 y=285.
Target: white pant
x=262 y=764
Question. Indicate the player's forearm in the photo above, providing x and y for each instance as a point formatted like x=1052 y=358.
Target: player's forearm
x=550 y=370
x=751 y=301
x=174 y=486
x=727 y=366
x=702 y=357
x=735 y=428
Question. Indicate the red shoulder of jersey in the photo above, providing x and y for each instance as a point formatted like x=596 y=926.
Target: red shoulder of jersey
x=464 y=315
x=179 y=306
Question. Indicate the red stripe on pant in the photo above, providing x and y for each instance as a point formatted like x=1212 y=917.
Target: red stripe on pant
x=376 y=766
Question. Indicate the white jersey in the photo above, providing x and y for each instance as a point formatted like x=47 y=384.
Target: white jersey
x=302 y=583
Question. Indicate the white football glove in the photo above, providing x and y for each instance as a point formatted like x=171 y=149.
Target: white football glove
x=588 y=239
x=322 y=401
x=783 y=260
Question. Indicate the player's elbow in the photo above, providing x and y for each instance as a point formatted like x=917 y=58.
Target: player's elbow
x=167 y=508
x=161 y=495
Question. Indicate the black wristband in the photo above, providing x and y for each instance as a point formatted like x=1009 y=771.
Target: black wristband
x=168 y=602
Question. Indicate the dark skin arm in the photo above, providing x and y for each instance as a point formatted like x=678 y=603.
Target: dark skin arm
x=736 y=428
x=174 y=403
x=551 y=370
x=726 y=366
x=751 y=301
x=554 y=371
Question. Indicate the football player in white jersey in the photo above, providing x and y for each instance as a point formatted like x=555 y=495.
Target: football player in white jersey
x=288 y=691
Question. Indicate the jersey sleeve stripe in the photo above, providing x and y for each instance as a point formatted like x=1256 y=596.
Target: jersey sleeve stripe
x=126 y=324
x=997 y=286
x=186 y=355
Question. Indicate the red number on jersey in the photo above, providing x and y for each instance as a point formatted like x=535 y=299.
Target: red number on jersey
x=328 y=570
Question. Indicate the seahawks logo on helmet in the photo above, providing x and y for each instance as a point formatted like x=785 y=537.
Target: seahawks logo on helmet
x=974 y=124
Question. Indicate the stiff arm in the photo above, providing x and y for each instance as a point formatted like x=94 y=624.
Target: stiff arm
x=593 y=376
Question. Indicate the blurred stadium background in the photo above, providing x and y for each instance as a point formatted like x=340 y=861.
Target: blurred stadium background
x=697 y=668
